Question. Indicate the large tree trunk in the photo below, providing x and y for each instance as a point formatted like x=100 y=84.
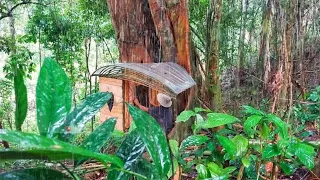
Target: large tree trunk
x=152 y=31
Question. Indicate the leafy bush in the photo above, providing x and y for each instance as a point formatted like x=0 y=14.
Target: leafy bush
x=265 y=139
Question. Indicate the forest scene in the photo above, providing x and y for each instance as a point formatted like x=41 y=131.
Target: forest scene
x=160 y=89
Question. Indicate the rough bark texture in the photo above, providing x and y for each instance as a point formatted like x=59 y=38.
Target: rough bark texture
x=152 y=31
x=213 y=77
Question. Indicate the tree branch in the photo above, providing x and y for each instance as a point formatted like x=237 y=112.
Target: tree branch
x=9 y=13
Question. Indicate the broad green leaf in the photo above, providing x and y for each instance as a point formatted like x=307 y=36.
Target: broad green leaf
x=99 y=137
x=229 y=170
x=251 y=122
x=197 y=110
x=174 y=146
x=245 y=162
x=280 y=124
x=145 y=168
x=215 y=120
x=20 y=92
x=193 y=140
x=241 y=143
x=77 y=119
x=154 y=138
x=306 y=154
x=219 y=119
x=252 y=111
x=265 y=131
x=214 y=169
x=33 y=146
x=129 y=151
x=270 y=151
x=34 y=174
x=202 y=171
x=287 y=168
x=185 y=116
x=175 y=167
x=53 y=95
x=228 y=145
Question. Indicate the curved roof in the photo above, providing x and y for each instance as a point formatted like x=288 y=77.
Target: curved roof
x=169 y=78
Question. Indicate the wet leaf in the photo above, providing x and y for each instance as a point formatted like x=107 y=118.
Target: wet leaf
x=228 y=145
x=174 y=146
x=20 y=92
x=154 y=139
x=34 y=174
x=202 y=171
x=265 y=131
x=33 y=146
x=185 y=116
x=252 y=111
x=270 y=151
x=280 y=124
x=306 y=154
x=129 y=151
x=99 y=137
x=77 y=119
x=193 y=140
x=251 y=122
x=245 y=162
x=53 y=95
x=287 y=168
x=241 y=143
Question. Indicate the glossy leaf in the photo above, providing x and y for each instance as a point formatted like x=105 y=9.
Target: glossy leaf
x=270 y=151
x=214 y=169
x=34 y=174
x=193 y=140
x=53 y=95
x=306 y=154
x=185 y=116
x=175 y=167
x=99 y=137
x=202 y=171
x=241 y=143
x=20 y=92
x=280 y=124
x=245 y=162
x=251 y=122
x=38 y=147
x=287 y=168
x=174 y=146
x=154 y=138
x=215 y=120
x=145 y=168
x=252 y=111
x=265 y=131
x=129 y=151
x=77 y=119
x=228 y=145
x=197 y=110
x=219 y=119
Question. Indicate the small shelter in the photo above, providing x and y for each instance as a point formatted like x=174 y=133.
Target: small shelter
x=168 y=78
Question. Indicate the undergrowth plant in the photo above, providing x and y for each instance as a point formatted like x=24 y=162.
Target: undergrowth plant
x=265 y=139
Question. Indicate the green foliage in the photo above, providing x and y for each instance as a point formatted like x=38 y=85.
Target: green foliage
x=75 y=121
x=130 y=151
x=34 y=174
x=309 y=111
x=154 y=138
x=20 y=91
x=266 y=138
x=53 y=96
x=38 y=147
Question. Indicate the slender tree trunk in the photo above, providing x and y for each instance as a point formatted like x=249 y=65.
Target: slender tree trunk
x=264 y=53
x=213 y=72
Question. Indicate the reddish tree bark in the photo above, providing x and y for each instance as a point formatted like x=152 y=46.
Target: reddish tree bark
x=151 y=31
